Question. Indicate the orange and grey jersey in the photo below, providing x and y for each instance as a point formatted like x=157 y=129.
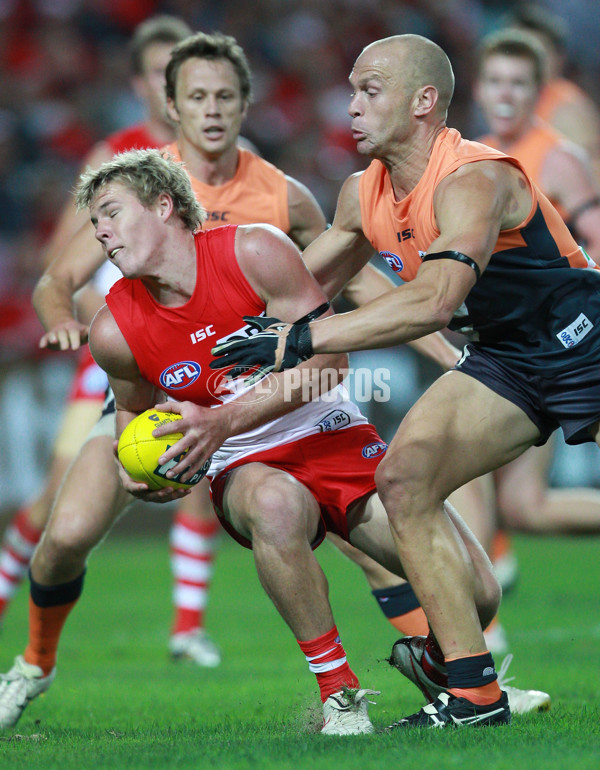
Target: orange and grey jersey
x=257 y=193
x=537 y=304
x=531 y=150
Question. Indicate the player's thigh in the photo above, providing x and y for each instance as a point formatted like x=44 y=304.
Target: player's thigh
x=523 y=482
x=369 y=531
x=377 y=576
x=198 y=504
x=91 y=496
x=268 y=503
x=80 y=417
x=458 y=430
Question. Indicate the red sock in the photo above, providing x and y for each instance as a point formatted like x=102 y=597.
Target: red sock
x=327 y=660
x=194 y=543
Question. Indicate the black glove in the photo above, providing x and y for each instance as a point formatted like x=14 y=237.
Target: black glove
x=275 y=347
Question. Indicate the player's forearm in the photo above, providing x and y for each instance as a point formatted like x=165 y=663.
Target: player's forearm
x=282 y=393
x=382 y=323
x=53 y=301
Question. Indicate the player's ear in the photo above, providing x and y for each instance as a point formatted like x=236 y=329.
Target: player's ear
x=172 y=110
x=165 y=205
x=425 y=100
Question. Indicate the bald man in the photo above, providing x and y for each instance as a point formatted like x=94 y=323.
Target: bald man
x=484 y=253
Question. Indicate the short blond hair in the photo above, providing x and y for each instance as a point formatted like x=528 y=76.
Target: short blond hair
x=148 y=174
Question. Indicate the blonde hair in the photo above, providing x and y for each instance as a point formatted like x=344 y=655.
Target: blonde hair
x=148 y=174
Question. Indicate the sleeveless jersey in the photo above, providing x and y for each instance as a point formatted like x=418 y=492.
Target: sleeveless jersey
x=530 y=306
x=172 y=345
x=257 y=193
x=531 y=151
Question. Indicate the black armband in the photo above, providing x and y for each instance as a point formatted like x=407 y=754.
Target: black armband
x=458 y=256
x=313 y=315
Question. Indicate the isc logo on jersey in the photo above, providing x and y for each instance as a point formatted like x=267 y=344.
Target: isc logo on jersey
x=375 y=449
x=180 y=375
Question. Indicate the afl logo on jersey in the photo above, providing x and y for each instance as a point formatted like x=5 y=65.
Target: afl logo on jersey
x=393 y=261
x=180 y=375
x=374 y=450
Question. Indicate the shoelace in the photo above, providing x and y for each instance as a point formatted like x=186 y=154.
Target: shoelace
x=502 y=680
x=361 y=694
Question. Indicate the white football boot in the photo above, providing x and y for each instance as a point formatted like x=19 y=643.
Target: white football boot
x=407 y=655
x=521 y=701
x=345 y=713
x=195 y=646
x=18 y=687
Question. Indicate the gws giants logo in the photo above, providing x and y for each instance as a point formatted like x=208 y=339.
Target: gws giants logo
x=180 y=375
x=393 y=261
x=374 y=450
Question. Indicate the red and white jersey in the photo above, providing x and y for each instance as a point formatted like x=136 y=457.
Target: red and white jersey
x=172 y=345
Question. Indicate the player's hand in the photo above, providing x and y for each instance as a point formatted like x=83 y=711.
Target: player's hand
x=68 y=335
x=142 y=491
x=275 y=347
x=204 y=431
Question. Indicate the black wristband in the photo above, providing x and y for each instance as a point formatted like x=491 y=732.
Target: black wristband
x=304 y=342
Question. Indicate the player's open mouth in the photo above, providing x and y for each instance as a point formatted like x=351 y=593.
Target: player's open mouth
x=113 y=252
x=504 y=110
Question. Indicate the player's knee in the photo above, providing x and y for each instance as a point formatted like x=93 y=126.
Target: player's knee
x=398 y=485
x=277 y=512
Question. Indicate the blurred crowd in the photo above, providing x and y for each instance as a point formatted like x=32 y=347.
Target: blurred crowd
x=65 y=84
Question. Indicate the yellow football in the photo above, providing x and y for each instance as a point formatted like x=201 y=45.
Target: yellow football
x=139 y=451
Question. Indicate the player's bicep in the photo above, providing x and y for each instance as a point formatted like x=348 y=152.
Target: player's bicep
x=470 y=210
x=109 y=347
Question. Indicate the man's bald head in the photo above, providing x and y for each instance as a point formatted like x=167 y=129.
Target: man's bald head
x=419 y=62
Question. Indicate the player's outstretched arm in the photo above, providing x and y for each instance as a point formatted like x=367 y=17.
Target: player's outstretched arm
x=371 y=283
x=53 y=295
x=471 y=208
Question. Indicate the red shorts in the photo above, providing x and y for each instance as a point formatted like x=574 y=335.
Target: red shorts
x=90 y=380
x=337 y=467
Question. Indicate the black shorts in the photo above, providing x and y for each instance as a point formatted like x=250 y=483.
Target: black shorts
x=569 y=400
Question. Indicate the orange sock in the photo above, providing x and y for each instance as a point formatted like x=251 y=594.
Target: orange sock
x=401 y=607
x=413 y=623
x=45 y=627
x=482 y=696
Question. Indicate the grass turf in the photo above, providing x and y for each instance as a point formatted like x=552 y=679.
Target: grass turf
x=118 y=702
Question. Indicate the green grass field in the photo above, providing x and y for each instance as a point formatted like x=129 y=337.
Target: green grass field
x=118 y=702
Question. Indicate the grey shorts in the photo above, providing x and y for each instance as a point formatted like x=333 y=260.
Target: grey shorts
x=568 y=400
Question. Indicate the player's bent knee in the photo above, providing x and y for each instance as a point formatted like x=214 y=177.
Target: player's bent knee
x=394 y=484
x=279 y=512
